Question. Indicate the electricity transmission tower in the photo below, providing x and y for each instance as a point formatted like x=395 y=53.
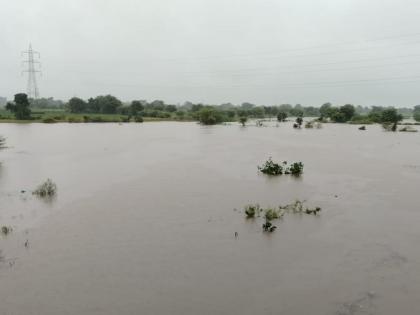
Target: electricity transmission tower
x=32 y=70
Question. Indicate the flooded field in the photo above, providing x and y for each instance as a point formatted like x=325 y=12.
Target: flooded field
x=145 y=218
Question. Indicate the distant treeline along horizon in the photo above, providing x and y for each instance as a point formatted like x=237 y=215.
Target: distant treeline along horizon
x=29 y=109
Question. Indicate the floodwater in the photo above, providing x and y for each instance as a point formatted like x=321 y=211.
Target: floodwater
x=145 y=216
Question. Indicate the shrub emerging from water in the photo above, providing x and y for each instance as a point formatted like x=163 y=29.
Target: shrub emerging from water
x=210 y=116
x=252 y=210
x=271 y=214
x=295 y=169
x=49 y=120
x=243 y=120
x=272 y=168
x=48 y=188
x=6 y=230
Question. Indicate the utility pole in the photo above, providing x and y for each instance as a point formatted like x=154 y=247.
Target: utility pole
x=32 y=60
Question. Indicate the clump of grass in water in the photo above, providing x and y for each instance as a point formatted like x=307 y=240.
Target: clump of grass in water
x=46 y=189
x=252 y=210
x=271 y=214
x=6 y=230
x=273 y=168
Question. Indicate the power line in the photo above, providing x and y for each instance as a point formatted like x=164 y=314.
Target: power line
x=32 y=86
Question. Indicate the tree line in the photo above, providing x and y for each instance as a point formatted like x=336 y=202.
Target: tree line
x=211 y=114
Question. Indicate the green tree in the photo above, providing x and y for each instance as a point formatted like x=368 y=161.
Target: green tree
x=105 y=104
x=20 y=107
x=324 y=110
x=281 y=116
x=77 y=105
x=243 y=120
x=210 y=116
x=347 y=112
x=416 y=113
x=136 y=107
x=170 y=108
x=390 y=115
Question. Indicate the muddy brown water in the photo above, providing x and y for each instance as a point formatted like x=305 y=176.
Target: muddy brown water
x=145 y=217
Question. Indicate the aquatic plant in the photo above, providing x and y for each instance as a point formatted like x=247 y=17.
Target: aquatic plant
x=271 y=168
x=269 y=227
x=252 y=210
x=312 y=211
x=295 y=169
x=271 y=214
x=5 y=230
x=48 y=188
x=243 y=120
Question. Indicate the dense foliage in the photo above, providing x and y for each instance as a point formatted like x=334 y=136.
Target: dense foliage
x=205 y=113
x=46 y=189
x=271 y=168
x=20 y=107
x=416 y=113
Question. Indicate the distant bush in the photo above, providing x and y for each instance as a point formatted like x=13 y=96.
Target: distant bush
x=281 y=116
x=138 y=119
x=210 y=116
x=243 y=120
x=72 y=119
x=416 y=113
x=49 y=120
x=125 y=119
x=48 y=188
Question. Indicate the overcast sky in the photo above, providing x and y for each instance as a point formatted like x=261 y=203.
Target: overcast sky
x=363 y=52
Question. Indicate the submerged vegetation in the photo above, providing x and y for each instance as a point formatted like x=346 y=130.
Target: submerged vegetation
x=2 y=142
x=6 y=230
x=252 y=210
x=48 y=188
x=271 y=214
x=272 y=168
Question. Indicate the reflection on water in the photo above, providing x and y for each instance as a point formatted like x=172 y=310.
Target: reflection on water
x=144 y=220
